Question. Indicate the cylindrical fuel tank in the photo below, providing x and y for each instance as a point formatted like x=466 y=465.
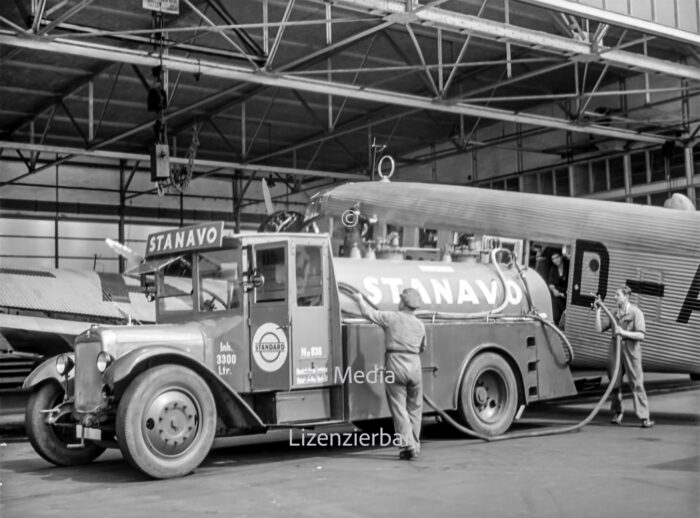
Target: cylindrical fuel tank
x=444 y=287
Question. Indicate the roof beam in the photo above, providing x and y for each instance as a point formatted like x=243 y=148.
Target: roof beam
x=199 y=163
x=239 y=73
x=521 y=36
x=620 y=20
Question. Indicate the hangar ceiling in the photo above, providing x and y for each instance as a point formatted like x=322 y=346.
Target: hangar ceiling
x=302 y=88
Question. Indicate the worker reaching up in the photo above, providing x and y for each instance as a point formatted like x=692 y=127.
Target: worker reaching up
x=404 y=339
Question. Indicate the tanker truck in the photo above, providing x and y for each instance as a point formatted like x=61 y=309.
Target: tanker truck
x=260 y=332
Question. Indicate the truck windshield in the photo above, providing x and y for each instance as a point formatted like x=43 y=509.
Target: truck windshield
x=175 y=286
x=219 y=280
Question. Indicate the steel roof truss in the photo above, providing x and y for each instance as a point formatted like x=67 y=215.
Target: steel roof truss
x=529 y=38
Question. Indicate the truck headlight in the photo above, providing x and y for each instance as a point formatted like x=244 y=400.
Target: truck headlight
x=103 y=361
x=64 y=363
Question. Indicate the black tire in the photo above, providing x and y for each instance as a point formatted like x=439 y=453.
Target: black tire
x=51 y=440
x=488 y=395
x=178 y=398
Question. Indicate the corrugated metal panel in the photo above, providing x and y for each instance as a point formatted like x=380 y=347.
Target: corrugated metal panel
x=513 y=214
x=56 y=291
x=669 y=345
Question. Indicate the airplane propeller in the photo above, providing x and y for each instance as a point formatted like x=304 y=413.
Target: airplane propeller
x=283 y=220
x=124 y=251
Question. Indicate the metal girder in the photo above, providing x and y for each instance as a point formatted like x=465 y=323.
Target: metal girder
x=245 y=38
x=66 y=15
x=307 y=60
x=621 y=20
x=239 y=73
x=19 y=146
x=72 y=89
x=521 y=36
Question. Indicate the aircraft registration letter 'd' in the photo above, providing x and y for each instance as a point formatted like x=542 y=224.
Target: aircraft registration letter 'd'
x=195 y=237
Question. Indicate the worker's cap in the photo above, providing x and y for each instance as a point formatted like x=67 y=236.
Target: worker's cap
x=411 y=298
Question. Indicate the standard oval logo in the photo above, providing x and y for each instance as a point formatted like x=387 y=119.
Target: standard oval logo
x=270 y=348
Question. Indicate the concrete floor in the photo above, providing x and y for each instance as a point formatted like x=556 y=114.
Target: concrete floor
x=603 y=470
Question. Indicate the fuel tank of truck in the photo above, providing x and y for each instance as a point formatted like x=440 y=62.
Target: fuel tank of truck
x=466 y=288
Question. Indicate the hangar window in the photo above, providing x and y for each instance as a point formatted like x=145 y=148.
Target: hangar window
x=599 y=170
x=530 y=183
x=617 y=173
x=638 y=166
x=547 y=182
x=561 y=178
x=582 y=179
x=657 y=165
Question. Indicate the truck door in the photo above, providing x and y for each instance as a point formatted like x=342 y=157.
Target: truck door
x=312 y=362
x=269 y=318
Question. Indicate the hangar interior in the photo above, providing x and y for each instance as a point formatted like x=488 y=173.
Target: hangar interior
x=595 y=98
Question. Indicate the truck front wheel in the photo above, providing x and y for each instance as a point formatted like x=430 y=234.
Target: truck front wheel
x=52 y=441
x=166 y=421
x=488 y=395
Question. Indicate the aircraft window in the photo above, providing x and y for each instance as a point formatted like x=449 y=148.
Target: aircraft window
x=309 y=276
x=218 y=275
x=427 y=238
x=271 y=264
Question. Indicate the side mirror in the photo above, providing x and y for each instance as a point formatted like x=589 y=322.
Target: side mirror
x=258 y=280
x=148 y=286
x=253 y=281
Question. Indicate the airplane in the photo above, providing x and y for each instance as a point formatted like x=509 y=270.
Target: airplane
x=43 y=310
x=653 y=250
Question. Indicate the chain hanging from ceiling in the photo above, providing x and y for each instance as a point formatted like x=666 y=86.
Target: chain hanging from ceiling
x=180 y=176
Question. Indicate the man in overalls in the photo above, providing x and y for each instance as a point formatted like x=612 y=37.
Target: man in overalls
x=404 y=338
x=631 y=328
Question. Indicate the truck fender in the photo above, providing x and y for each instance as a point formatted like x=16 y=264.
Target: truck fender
x=47 y=371
x=481 y=348
x=231 y=407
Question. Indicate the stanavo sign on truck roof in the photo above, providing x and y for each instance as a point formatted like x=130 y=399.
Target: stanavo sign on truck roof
x=259 y=330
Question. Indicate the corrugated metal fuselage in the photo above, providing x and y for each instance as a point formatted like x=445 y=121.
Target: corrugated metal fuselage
x=656 y=251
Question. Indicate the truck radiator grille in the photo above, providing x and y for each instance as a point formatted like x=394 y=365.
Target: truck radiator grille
x=88 y=380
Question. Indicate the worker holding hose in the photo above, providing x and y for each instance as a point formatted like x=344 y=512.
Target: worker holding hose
x=404 y=339
x=629 y=325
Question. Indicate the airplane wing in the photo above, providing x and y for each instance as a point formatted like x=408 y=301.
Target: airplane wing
x=74 y=295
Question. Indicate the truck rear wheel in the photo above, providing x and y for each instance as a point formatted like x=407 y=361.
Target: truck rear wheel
x=488 y=395
x=166 y=421
x=51 y=440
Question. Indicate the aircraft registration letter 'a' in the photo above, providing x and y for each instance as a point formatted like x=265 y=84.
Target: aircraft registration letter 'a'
x=692 y=300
